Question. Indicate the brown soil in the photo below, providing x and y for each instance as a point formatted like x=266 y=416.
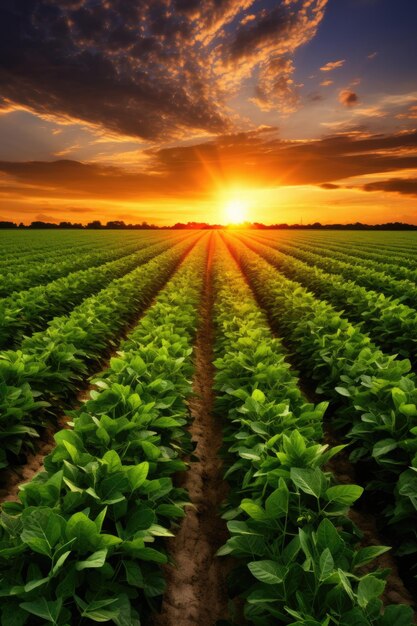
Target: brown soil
x=196 y=587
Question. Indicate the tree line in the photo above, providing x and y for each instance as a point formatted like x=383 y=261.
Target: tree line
x=121 y=225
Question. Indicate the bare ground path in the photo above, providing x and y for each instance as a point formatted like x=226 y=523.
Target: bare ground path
x=196 y=587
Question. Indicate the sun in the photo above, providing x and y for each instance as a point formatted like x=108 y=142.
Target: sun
x=235 y=211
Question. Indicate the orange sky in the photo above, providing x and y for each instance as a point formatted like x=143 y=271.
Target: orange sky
x=251 y=110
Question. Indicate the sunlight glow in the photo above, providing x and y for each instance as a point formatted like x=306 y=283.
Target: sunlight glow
x=235 y=211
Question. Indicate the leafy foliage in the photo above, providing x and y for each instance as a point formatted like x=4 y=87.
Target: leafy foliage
x=289 y=530
x=29 y=311
x=85 y=540
x=49 y=365
x=373 y=394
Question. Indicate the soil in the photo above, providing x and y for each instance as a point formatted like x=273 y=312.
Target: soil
x=196 y=582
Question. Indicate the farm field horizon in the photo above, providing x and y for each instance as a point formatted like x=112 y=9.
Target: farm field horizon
x=208 y=313
x=208 y=428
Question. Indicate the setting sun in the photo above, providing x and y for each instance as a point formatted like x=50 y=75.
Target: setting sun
x=235 y=211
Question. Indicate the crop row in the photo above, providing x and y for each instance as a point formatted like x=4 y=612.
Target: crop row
x=390 y=323
x=18 y=247
x=29 y=311
x=50 y=364
x=391 y=245
x=84 y=544
x=394 y=280
x=372 y=394
x=296 y=547
x=31 y=275
x=358 y=253
x=405 y=290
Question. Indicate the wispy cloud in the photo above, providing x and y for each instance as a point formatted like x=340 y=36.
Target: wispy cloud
x=332 y=65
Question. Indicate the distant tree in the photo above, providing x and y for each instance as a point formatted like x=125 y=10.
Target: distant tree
x=8 y=225
x=119 y=224
x=43 y=225
x=94 y=224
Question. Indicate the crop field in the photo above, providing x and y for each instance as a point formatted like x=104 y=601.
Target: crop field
x=208 y=427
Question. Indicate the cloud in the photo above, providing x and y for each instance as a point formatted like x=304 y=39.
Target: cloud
x=410 y=114
x=348 y=98
x=258 y=158
x=404 y=186
x=372 y=56
x=332 y=65
x=329 y=186
x=326 y=83
x=151 y=69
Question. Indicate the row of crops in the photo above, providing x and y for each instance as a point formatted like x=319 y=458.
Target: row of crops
x=86 y=541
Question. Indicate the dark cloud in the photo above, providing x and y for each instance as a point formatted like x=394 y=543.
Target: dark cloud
x=154 y=68
x=405 y=186
x=258 y=158
x=348 y=98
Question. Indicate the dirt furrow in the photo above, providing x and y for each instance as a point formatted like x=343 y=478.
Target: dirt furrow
x=196 y=586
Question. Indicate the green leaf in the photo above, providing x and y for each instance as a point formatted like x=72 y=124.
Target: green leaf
x=149 y=554
x=397 y=615
x=328 y=537
x=365 y=555
x=113 y=461
x=268 y=572
x=345 y=495
x=84 y=530
x=151 y=451
x=42 y=529
x=308 y=480
x=45 y=609
x=138 y=474
x=94 y=561
x=276 y=504
x=252 y=509
x=97 y=611
x=369 y=588
x=326 y=564
x=258 y=395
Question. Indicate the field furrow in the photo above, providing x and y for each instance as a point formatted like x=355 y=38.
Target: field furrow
x=196 y=587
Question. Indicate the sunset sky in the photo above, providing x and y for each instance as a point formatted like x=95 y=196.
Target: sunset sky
x=214 y=110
